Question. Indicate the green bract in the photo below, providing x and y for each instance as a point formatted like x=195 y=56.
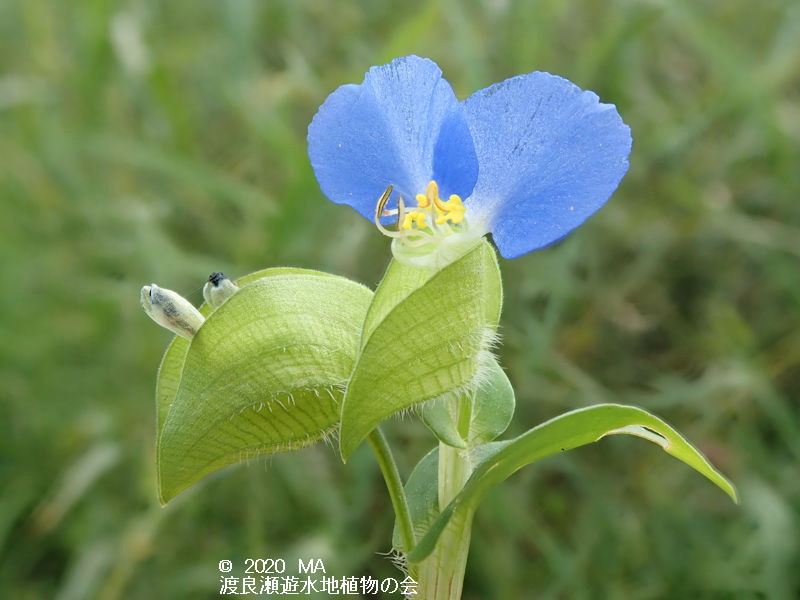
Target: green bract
x=265 y=373
x=423 y=337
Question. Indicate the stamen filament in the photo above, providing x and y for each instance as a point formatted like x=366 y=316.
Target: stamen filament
x=379 y=213
x=401 y=212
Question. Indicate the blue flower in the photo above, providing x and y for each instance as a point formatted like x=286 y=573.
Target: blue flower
x=527 y=159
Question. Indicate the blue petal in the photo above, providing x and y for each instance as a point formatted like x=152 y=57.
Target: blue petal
x=402 y=126
x=550 y=155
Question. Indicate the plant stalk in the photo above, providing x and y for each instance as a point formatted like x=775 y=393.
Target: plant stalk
x=394 y=485
x=441 y=575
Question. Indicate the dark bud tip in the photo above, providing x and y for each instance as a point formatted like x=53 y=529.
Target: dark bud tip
x=216 y=278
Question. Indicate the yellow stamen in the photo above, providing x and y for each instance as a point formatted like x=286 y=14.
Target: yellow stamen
x=453 y=210
x=414 y=217
x=433 y=195
x=413 y=225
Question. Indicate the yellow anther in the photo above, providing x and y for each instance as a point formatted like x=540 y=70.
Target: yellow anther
x=434 y=198
x=419 y=225
x=453 y=210
x=414 y=217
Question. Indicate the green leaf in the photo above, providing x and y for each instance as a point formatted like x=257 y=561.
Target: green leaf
x=422 y=493
x=265 y=373
x=492 y=407
x=423 y=337
x=441 y=417
x=476 y=417
x=571 y=430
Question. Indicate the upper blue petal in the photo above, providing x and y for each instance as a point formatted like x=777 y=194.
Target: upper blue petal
x=550 y=155
x=402 y=126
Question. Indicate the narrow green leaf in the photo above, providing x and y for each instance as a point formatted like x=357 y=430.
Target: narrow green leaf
x=571 y=430
x=422 y=493
x=265 y=373
x=425 y=345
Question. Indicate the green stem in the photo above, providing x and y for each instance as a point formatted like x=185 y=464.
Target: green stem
x=383 y=453
x=441 y=575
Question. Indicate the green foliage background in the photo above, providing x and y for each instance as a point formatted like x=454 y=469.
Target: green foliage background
x=159 y=141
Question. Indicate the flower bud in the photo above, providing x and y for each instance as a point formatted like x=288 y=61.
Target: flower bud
x=171 y=310
x=218 y=289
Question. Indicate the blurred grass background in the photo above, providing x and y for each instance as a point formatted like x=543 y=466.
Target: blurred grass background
x=159 y=141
